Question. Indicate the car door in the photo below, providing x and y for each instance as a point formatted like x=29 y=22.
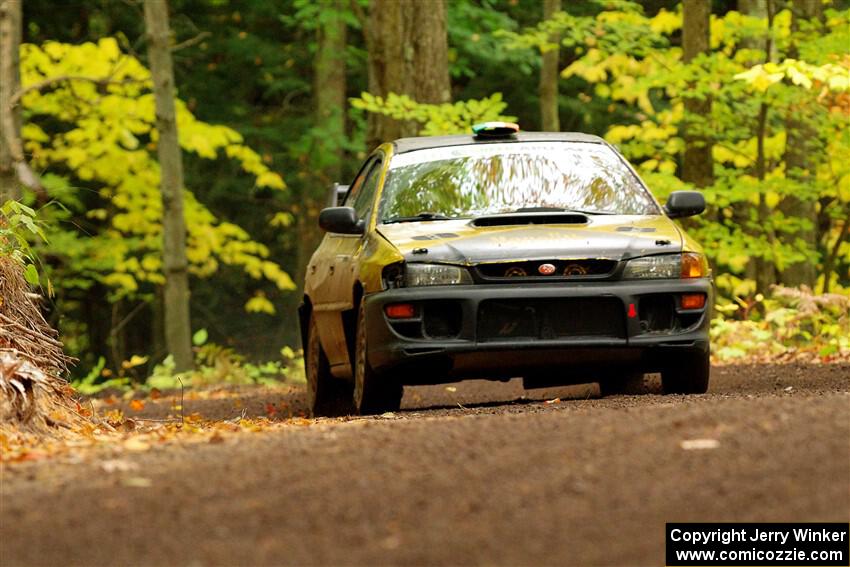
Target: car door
x=351 y=249
x=333 y=272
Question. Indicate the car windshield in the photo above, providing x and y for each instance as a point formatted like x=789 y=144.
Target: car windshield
x=480 y=179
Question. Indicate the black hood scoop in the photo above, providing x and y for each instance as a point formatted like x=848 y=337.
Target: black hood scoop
x=516 y=219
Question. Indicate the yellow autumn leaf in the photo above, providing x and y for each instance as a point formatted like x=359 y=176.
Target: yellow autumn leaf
x=666 y=22
x=259 y=304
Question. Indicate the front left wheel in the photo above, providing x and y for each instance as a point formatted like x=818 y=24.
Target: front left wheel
x=327 y=396
x=373 y=394
x=687 y=373
x=627 y=384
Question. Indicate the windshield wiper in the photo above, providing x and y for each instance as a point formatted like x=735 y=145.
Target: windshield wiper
x=425 y=216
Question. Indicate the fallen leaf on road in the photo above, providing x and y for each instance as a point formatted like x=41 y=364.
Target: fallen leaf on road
x=555 y=401
x=789 y=389
x=699 y=444
x=137 y=405
x=117 y=465
x=135 y=444
x=388 y=415
x=451 y=389
x=137 y=482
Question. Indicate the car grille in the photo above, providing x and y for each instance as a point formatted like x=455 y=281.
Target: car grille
x=557 y=318
x=545 y=270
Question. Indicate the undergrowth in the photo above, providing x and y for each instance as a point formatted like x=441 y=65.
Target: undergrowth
x=214 y=364
x=792 y=323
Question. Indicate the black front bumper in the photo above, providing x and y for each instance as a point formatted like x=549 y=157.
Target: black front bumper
x=398 y=351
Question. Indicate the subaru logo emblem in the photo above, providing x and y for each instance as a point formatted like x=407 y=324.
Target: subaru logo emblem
x=546 y=269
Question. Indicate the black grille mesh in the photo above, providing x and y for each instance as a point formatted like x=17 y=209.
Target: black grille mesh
x=551 y=318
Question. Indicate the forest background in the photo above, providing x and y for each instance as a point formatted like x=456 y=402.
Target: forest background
x=745 y=100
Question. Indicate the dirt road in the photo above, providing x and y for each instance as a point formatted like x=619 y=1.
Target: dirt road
x=583 y=481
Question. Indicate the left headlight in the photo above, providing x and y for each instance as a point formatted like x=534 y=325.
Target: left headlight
x=667 y=266
x=435 y=274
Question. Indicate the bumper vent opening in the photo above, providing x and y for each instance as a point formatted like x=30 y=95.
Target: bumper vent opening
x=657 y=314
x=442 y=319
x=436 y=320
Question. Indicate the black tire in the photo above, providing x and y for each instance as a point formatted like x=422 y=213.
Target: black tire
x=688 y=373
x=626 y=384
x=326 y=396
x=372 y=394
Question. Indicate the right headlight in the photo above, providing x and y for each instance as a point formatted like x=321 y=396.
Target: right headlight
x=435 y=274
x=667 y=266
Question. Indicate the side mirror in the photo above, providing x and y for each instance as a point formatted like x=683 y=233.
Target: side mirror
x=336 y=194
x=341 y=220
x=681 y=204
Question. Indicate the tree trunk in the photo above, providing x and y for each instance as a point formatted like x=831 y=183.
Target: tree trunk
x=763 y=270
x=549 y=74
x=407 y=42
x=329 y=87
x=178 y=331
x=801 y=144
x=697 y=166
x=10 y=118
x=832 y=255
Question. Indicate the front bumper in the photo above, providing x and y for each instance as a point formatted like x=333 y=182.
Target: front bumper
x=635 y=345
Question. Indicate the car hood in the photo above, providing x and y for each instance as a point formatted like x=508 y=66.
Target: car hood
x=613 y=237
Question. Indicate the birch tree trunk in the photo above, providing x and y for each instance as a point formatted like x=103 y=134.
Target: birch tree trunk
x=408 y=49
x=178 y=331
x=697 y=166
x=549 y=74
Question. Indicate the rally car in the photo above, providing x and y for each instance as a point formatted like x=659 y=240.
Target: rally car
x=497 y=255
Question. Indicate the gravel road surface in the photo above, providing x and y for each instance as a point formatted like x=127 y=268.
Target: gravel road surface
x=475 y=473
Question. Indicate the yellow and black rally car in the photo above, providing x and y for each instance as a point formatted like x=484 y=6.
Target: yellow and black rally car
x=497 y=255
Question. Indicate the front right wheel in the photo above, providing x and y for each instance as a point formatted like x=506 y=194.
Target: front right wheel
x=327 y=396
x=687 y=373
x=373 y=394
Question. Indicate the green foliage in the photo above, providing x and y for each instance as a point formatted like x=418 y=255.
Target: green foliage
x=101 y=131
x=632 y=60
x=796 y=323
x=19 y=224
x=91 y=384
x=214 y=363
x=436 y=119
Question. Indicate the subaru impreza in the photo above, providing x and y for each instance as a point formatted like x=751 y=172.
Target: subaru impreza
x=497 y=255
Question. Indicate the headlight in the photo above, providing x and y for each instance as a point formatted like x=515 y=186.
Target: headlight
x=668 y=266
x=435 y=274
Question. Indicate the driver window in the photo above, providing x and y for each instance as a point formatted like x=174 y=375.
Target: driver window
x=363 y=200
x=357 y=184
x=363 y=189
